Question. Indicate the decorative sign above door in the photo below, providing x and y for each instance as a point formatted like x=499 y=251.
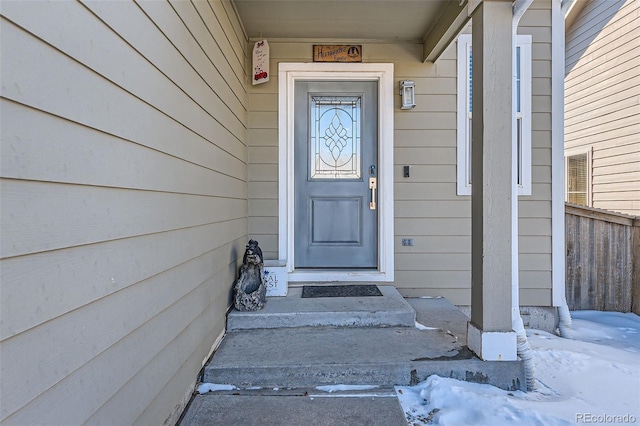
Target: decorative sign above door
x=337 y=53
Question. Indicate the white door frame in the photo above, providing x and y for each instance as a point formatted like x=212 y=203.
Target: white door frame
x=288 y=74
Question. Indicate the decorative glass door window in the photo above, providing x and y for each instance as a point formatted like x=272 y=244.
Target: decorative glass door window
x=335 y=143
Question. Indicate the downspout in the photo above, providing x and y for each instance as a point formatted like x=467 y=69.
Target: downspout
x=559 y=11
x=523 y=348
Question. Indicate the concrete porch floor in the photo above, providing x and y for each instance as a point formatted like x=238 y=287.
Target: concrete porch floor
x=277 y=356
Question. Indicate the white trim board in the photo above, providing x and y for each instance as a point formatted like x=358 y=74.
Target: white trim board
x=288 y=74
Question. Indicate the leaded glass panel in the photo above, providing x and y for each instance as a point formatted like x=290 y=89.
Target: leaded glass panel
x=335 y=144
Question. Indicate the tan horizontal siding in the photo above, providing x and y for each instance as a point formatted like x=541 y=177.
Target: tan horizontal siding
x=60 y=215
x=124 y=200
x=624 y=146
x=621 y=169
x=631 y=207
x=616 y=99
x=190 y=337
x=97 y=338
x=116 y=111
x=36 y=153
x=596 y=16
x=633 y=176
x=432 y=262
x=427 y=191
x=619 y=155
x=226 y=35
x=602 y=108
x=535 y=296
x=424 y=173
x=182 y=88
x=607 y=83
x=435 y=244
x=613 y=134
x=118 y=265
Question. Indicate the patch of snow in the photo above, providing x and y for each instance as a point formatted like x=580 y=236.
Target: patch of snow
x=593 y=378
x=424 y=327
x=609 y=328
x=336 y=388
x=212 y=387
x=444 y=401
x=354 y=395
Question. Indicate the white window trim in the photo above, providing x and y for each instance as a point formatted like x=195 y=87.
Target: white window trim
x=463 y=115
x=588 y=150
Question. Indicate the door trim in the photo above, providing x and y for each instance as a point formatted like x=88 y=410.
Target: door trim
x=288 y=74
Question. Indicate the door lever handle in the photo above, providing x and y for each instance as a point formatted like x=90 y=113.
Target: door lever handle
x=373 y=185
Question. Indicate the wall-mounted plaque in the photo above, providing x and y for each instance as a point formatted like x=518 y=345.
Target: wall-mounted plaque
x=337 y=53
x=260 y=62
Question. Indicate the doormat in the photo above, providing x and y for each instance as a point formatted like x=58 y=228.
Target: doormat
x=310 y=291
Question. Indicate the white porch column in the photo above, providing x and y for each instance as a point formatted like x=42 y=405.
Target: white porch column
x=490 y=333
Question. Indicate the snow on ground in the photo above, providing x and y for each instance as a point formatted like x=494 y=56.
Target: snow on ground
x=338 y=388
x=213 y=387
x=592 y=379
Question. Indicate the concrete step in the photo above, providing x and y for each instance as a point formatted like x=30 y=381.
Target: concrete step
x=388 y=310
x=303 y=406
x=312 y=356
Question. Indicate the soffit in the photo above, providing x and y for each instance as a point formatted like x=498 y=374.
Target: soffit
x=392 y=20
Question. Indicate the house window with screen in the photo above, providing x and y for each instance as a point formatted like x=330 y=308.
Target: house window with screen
x=522 y=118
x=577 y=179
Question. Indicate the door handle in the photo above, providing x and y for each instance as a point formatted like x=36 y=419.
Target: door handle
x=373 y=185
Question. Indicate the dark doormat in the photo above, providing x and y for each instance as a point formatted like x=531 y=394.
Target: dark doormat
x=310 y=291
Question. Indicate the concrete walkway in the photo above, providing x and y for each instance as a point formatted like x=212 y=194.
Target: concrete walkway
x=277 y=365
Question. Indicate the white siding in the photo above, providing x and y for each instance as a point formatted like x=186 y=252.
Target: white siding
x=602 y=106
x=426 y=205
x=124 y=204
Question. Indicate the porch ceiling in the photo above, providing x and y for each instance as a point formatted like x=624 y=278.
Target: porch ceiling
x=386 y=20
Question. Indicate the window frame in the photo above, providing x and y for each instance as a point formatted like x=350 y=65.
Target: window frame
x=575 y=152
x=523 y=115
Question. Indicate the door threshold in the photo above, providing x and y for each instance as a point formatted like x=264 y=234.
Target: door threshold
x=342 y=275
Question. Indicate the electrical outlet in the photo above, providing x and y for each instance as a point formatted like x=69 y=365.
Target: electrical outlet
x=407 y=242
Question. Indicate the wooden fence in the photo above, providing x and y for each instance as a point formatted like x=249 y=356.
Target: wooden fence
x=603 y=260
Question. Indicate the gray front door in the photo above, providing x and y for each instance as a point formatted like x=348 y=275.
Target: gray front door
x=336 y=166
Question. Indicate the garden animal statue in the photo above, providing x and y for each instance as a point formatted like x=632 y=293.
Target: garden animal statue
x=250 y=290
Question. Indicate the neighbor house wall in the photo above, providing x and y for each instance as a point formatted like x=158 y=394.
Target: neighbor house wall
x=427 y=208
x=124 y=204
x=602 y=107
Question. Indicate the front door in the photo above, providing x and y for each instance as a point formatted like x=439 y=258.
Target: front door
x=335 y=173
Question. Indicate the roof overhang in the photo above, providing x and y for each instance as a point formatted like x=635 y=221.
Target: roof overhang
x=433 y=23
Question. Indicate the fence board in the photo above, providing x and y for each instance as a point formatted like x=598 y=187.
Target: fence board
x=601 y=248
